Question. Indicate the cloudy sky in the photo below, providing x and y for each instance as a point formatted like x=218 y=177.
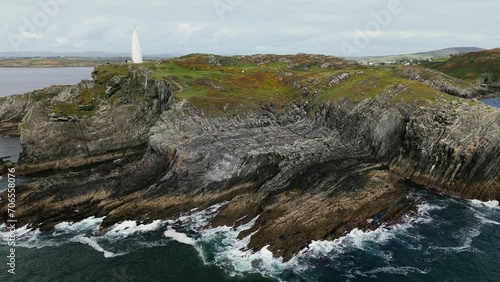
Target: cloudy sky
x=335 y=27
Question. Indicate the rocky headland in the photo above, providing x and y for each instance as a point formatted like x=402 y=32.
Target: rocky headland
x=314 y=145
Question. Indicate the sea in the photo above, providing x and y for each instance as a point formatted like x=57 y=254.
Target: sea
x=494 y=102
x=22 y=80
x=446 y=239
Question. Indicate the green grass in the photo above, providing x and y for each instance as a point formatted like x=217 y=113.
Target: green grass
x=484 y=65
x=228 y=86
x=436 y=63
x=66 y=109
x=239 y=84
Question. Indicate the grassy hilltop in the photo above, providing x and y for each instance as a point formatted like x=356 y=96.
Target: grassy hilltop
x=223 y=86
x=483 y=66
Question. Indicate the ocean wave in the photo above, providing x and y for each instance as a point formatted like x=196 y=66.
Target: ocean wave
x=358 y=238
x=467 y=238
x=232 y=254
x=404 y=271
x=198 y=219
x=424 y=212
x=355 y=239
x=88 y=224
x=490 y=204
x=92 y=242
x=484 y=220
x=21 y=232
x=179 y=237
x=128 y=228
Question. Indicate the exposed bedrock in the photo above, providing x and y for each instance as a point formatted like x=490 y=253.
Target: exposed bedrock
x=449 y=84
x=456 y=151
x=67 y=135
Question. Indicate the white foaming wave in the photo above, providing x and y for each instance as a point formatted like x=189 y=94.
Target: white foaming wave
x=38 y=241
x=21 y=232
x=25 y=237
x=195 y=221
x=28 y=238
x=199 y=219
x=233 y=255
x=466 y=245
x=88 y=224
x=490 y=204
x=484 y=220
x=92 y=242
x=130 y=227
x=355 y=239
x=404 y=270
x=424 y=212
x=179 y=237
x=358 y=238
x=488 y=221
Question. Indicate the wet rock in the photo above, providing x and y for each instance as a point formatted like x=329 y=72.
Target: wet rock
x=5 y=165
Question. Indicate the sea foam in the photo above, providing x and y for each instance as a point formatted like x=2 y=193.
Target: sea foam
x=128 y=228
x=88 y=224
x=179 y=237
x=232 y=254
x=93 y=243
x=490 y=204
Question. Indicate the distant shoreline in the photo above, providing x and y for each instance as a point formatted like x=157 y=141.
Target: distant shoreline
x=63 y=62
x=55 y=62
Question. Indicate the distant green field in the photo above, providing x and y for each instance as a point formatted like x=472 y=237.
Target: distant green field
x=483 y=66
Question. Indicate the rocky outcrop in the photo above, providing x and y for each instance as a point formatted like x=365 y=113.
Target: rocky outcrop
x=447 y=84
x=113 y=129
x=313 y=171
x=454 y=149
x=5 y=165
x=12 y=111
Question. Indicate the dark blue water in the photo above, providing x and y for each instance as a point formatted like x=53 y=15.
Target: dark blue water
x=494 y=102
x=448 y=240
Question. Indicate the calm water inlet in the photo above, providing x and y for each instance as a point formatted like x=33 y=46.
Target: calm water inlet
x=22 y=80
x=494 y=102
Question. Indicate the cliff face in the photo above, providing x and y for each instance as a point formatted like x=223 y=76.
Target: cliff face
x=447 y=84
x=452 y=147
x=455 y=150
x=64 y=132
x=131 y=146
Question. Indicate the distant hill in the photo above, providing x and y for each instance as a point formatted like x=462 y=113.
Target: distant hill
x=450 y=52
x=415 y=57
x=483 y=65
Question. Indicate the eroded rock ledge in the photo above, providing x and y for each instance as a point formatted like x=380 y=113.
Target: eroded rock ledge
x=311 y=169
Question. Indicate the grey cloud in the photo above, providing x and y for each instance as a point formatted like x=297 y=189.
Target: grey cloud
x=253 y=26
